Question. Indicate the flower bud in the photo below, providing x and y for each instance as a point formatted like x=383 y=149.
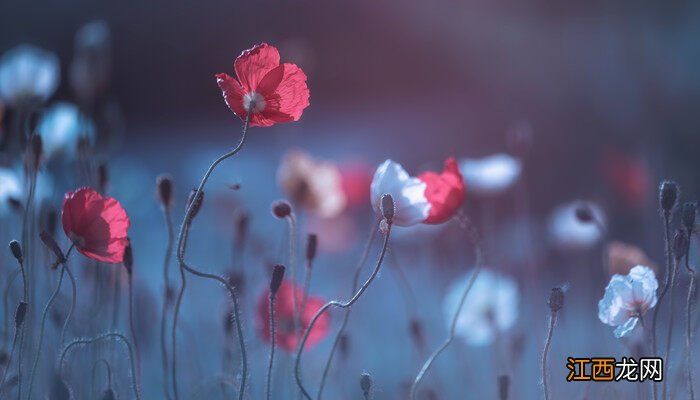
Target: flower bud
x=503 y=386
x=387 y=207
x=281 y=209
x=128 y=260
x=277 y=277
x=556 y=299
x=680 y=244
x=20 y=314
x=688 y=217
x=164 y=184
x=196 y=204
x=50 y=242
x=668 y=195
x=16 y=250
x=311 y=246
x=365 y=384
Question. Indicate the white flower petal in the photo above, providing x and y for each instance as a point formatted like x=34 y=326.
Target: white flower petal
x=626 y=328
x=411 y=205
x=490 y=175
x=568 y=232
x=28 y=73
x=60 y=128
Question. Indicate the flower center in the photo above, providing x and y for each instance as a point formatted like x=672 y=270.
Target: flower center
x=254 y=102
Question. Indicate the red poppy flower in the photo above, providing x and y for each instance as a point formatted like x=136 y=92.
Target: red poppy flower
x=285 y=336
x=273 y=92
x=96 y=225
x=627 y=175
x=444 y=191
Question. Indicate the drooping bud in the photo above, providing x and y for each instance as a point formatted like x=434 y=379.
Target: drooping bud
x=16 y=250
x=688 y=217
x=311 y=246
x=503 y=387
x=196 y=203
x=365 y=384
x=281 y=209
x=387 y=207
x=668 y=195
x=680 y=244
x=20 y=314
x=277 y=277
x=51 y=244
x=102 y=176
x=164 y=184
x=128 y=260
x=556 y=299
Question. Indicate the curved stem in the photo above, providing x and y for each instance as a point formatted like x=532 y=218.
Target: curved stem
x=72 y=304
x=176 y=315
x=347 y=304
x=181 y=260
x=117 y=335
x=41 y=329
x=545 y=356
x=466 y=224
x=667 y=281
x=688 y=321
x=164 y=314
x=272 y=346
x=132 y=329
x=346 y=317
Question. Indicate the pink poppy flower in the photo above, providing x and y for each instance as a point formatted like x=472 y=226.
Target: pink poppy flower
x=273 y=92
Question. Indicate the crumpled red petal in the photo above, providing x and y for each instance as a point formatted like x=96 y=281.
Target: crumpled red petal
x=445 y=192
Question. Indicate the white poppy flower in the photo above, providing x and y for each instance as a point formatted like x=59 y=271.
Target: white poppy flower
x=627 y=298
x=567 y=231
x=490 y=175
x=411 y=205
x=491 y=306
x=27 y=74
x=60 y=128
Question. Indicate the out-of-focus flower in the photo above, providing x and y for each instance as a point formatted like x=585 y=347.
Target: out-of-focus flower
x=311 y=184
x=491 y=306
x=628 y=176
x=285 y=335
x=356 y=177
x=492 y=175
x=568 y=232
x=623 y=257
x=336 y=235
x=91 y=67
x=98 y=226
x=61 y=127
x=430 y=198
x=273 y=92
x=28 y=74
x=10 y=188
x=627 y=298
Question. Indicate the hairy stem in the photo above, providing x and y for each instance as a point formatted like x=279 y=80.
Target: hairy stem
x=164 y=314
x=347 y=304
x=72 y=304
x=103 y=336
x=272 y=345
x=545 y=356
x=94 y=373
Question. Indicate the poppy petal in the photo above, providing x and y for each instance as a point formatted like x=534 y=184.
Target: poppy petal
x=233 y=94
x=444 y=191
x=253 y=64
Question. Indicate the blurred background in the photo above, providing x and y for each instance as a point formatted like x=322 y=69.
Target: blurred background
x=604 y=95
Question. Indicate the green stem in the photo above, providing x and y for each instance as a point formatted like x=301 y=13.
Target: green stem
x=117 y=335
x=72 y=304
x=181 y=260
x=347 y=304
x=346 y=317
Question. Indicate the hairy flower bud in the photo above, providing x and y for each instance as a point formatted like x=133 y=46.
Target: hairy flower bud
x=164 y=184
x=365 y=384
x=387 y=207
x=16 y=250
x=281 y=209
x=556 y=299
x=196 y=203
x=680 y=244
x=277 y=277
x=20 y=314
x=51 y=244
x=688 y=217
x=668 y=195
x=311 y=246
